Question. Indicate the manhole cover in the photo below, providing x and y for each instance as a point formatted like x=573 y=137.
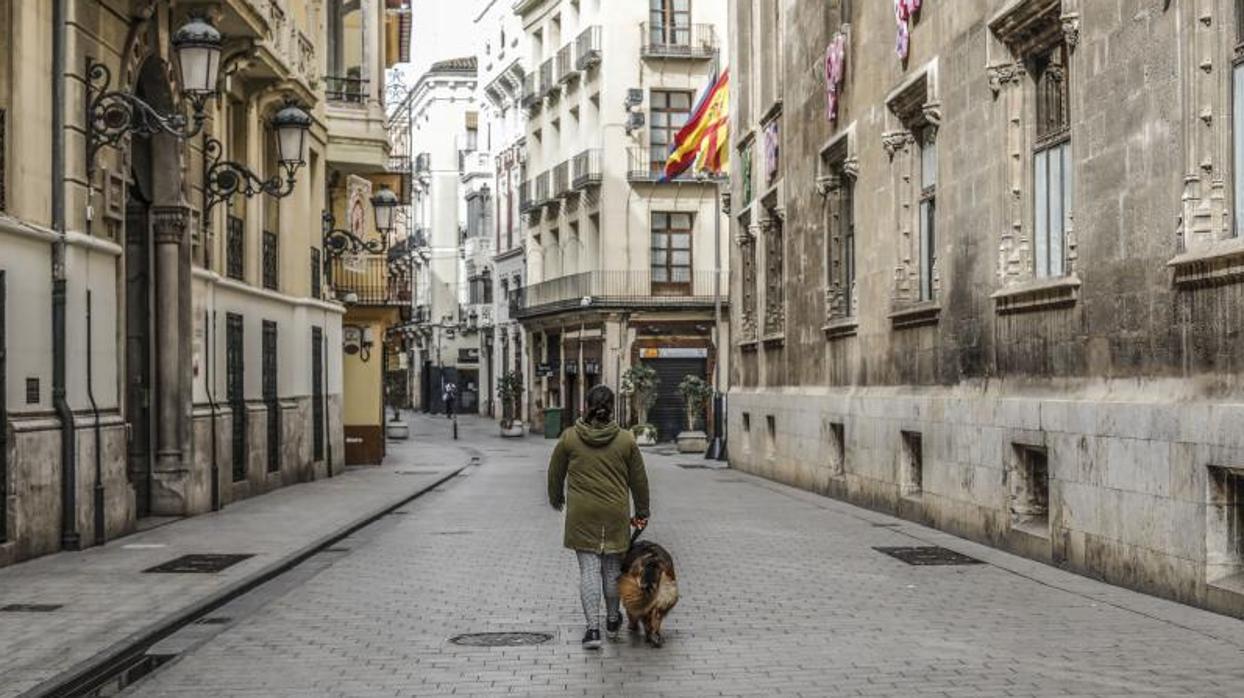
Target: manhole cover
x=929 y=555
x=199 y=564
x=30 y=607
x=217 y=620
x=501 y=639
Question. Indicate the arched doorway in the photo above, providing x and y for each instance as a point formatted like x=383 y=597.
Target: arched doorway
x=148 y=157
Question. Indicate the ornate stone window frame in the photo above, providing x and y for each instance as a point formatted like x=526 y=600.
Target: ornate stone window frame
x=838 y=169
x=1020 y=32
x=913 y=107
x=1208 y=251
x=770 y=217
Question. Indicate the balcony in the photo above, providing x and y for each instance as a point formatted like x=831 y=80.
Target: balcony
x=548 y=86
x=561 y=180
x=690 y=41
x=346 y=90
x=648 y=165
x=542 y=190
x=368 y=278
x=474 y=163
x=587 y=49
x=585 y=169
x=525 y=202
x=566 y=71
x=615 y=290
x=531 y=92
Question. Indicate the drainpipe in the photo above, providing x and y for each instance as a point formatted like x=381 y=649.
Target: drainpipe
x=98 y=491
x=69 y=538
x=209 y=325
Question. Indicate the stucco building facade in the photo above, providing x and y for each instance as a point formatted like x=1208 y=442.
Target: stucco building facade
x=620 y=264
x=165 y=350
x=992 y=285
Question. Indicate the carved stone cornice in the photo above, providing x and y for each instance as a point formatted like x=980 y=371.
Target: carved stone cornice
x=170 y=224
x=896 y=141
x=1002 y=75
x=932 y=113
x=851 y=168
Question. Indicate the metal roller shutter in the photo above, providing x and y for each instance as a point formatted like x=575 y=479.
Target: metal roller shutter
x=668 y=415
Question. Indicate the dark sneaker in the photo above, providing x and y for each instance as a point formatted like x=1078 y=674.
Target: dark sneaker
x=612 y=626
x=591 y=639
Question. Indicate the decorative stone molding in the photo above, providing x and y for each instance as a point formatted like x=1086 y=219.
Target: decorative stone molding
x=895 y=142
x=1071 y=30
x=1029 y=26
x=1219 y=265
x=916 y=315
x=840 y=328
x=170 y=224
x=1040 y=294
x=851 y=167
x=1005 y=74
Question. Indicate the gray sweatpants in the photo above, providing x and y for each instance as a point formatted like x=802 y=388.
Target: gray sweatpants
x=597 y=572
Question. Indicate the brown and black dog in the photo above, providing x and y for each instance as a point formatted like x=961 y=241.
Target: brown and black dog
x=648 y=587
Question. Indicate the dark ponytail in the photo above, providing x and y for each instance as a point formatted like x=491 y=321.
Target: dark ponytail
x=599 y=405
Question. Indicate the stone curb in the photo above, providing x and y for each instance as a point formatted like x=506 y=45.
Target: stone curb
x=84 y=674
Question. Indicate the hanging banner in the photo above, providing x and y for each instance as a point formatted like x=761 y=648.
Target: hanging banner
x=835 y=63
x=904 y=10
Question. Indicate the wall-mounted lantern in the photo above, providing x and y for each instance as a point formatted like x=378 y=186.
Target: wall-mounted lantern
x=223 y=179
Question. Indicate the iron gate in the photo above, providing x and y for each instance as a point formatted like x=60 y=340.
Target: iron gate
x=317 y=394
x=270 y=396
x=235 y=387
x=4 y=419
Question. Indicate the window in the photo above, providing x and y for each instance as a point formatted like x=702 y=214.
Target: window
x=928 y=210
x=839 y=189
x=1030 y=490
x=317 y=289
x=235 y=248
x=671 y=252
x=270 y=395
x=271 y=264
x=669 y=111
x=317 y=393
x=345 y=39
x=837 y=449
x=775 y=271
x=670 y=22
x=235 y=391
x=1051 y=164
x=1224 y=528
x=911 y=482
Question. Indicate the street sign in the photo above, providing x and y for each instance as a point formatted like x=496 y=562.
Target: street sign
x=674 y=353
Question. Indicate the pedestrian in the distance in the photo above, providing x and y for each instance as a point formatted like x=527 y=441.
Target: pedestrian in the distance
x=451 y=394
x=595 y=472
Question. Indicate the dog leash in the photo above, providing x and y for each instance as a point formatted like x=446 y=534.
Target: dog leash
x=635 y=535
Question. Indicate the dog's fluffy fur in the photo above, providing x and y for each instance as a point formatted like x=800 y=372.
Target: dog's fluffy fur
x=649 y=588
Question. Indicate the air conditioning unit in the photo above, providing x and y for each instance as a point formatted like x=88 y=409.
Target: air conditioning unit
x=634 y=121
x=634 y=96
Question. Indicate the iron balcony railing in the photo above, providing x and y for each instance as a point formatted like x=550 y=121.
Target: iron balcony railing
x=588 y=49
x=531 y=91
x=525 y=202
x=648 y=165
x=370 y=280
x=697 y=41
x=345 y=89
x=616 y=289
x=548 y=85
x=561 y=180
x=542 y=190
x=585 y=169
x=566 y=71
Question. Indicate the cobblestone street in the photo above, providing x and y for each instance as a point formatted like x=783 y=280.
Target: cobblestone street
x=783 y=594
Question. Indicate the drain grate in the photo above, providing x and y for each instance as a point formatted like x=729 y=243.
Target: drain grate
x=886 y=525
x=30 y=607
x=501 y=639
x=208 y=563
x=452 y=533
x=929 y=555
x=215 y=620
x=693 y=466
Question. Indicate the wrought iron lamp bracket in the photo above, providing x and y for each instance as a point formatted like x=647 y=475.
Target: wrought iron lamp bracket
x=224 y=178
x=111 y=114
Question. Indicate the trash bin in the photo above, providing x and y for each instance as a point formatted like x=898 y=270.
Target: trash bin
x=552 y=422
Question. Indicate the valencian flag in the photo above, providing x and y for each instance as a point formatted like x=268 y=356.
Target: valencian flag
x=703 y=142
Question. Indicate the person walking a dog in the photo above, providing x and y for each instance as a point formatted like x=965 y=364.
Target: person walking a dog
x=595 y=471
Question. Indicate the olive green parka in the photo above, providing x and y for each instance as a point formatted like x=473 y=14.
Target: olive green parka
x=595 y=470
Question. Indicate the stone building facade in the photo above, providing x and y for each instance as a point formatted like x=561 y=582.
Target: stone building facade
x=163 y=352
x=620 y=264
x=992 y=285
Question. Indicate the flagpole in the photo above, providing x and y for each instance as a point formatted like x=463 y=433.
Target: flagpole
x=717 y=447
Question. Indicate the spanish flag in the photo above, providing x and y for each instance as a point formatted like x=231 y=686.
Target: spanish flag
x=704 y=140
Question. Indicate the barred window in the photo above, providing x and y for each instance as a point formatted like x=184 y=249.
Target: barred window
x=1052 y=174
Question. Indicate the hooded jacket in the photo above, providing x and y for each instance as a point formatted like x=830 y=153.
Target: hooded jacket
x=595 y=471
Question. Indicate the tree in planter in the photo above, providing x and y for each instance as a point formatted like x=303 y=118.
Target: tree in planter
x=696 y=392
x=510 y=390
x=639 y=383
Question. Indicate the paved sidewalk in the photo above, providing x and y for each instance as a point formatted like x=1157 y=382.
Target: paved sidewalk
x=108 y=602
x=783 y=594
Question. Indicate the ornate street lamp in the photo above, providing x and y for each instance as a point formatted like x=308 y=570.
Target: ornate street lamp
x=111 y=114
x=337 y=241
x=384 y=203
x=223 y=179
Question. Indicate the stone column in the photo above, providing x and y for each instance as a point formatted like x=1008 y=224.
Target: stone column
x=169 y=476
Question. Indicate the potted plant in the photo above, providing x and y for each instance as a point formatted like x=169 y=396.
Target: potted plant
x=510 y=390
x=640 y=382
x=696 y=392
